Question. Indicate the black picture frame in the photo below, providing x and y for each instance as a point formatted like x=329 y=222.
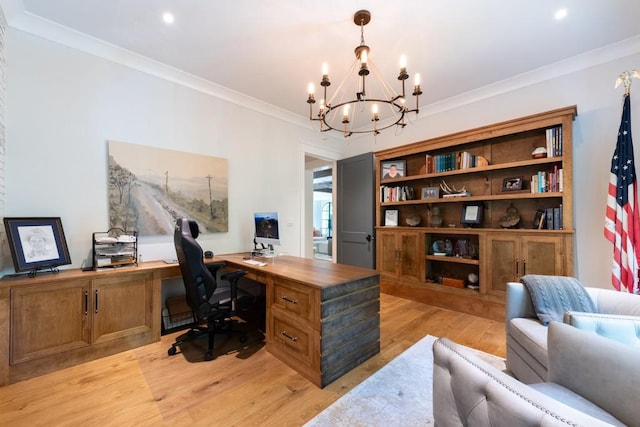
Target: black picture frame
x=36 y=243
x=472 y=214
x=512 y=184
x=386 y=167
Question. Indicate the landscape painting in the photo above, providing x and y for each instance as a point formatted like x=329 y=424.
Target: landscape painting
x=149 y=188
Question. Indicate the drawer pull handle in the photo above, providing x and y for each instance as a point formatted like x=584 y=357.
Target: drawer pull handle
x=287 y=299
x=286 y=335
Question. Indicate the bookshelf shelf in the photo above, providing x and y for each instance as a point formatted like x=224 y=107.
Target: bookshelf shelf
x=504 y=152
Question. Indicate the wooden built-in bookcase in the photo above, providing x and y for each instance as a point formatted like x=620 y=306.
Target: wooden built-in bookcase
x=433 y=264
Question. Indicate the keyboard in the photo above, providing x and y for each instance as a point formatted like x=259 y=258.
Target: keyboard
x=254 y=262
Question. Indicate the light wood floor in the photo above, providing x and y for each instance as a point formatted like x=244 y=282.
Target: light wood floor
x=247 y=387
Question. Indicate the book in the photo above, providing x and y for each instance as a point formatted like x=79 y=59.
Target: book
x=391 y=218
x=538 y=219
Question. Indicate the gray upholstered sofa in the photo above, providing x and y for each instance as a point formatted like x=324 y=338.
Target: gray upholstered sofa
x=592 y=382
x=527 y=336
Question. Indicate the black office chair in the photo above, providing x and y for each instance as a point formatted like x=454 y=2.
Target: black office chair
x=211 y=302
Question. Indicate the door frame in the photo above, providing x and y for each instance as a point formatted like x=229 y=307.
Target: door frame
x=306 y=198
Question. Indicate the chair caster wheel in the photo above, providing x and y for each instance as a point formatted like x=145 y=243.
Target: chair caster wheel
x=243 y=338
x=208 y=356
x=171 y=351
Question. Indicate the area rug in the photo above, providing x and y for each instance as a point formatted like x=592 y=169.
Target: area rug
x=399 y=394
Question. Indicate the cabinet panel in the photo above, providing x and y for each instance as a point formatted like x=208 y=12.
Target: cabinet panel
x=503 y=260
x=122 y=306
x=49 y=319
x=411 y=254
x=387 y=252
x=400 y=253
x=543 y=255
x=511 y=257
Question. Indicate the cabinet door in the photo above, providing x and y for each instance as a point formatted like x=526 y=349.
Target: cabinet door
x=543 y=255
x=46 y=320
x=122 y=307
x=411 y=255
x=387 y=252
x=503 y=262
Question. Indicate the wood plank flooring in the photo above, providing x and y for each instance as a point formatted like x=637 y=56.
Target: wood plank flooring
x=243 y=386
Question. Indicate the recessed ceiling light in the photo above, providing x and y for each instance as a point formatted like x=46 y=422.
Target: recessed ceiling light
x=167 y=17
x=561 y=14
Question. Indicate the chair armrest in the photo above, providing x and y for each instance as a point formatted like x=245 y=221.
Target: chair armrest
x=601 y=370
x=213 y=267
x=518 y=302
x=232 y=277
x=624 y=329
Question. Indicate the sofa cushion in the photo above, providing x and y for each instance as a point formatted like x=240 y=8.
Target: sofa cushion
x=553 y=295
x=613 y=302
x=624 y=329
x=569 y=398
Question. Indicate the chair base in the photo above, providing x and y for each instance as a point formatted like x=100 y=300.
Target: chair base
x=212 y=328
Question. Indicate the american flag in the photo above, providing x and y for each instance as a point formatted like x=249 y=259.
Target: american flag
x=622 y=223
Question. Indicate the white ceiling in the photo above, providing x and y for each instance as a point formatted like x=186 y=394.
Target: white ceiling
x=272 y=49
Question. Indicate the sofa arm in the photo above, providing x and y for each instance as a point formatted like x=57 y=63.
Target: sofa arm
x=603 y=371
x=624 y=329
x=469 y=391
x=518 y=302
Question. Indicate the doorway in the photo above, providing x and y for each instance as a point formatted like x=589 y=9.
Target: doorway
x=323 y=212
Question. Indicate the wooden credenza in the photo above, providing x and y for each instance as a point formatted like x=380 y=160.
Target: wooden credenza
x=322 y=318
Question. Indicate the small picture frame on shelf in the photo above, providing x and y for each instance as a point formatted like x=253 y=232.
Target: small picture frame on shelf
x=393 y=169
x=512 y=184
x=36 y=244
x=430 y=193
x=391 y=218
x=472 y=214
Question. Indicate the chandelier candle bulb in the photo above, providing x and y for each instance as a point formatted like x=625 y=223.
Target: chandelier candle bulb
x=311 y=89
x=325 y=71
x=374 y=110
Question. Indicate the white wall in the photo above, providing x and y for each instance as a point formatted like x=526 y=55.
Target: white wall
x=62 y=107
x=595 y=132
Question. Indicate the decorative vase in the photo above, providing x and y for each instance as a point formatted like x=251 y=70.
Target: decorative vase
x=436 y=219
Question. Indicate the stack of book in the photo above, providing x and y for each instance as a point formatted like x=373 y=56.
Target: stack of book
x=554 y=142
x=544 y=182
x=396 y=193
x=548 y=219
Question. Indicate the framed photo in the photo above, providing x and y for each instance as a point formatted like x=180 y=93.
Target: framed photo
x=472 y=214
x=36 y=243
x=391 y=217
x=431 y=193
x=393 y=169
x=512 y=184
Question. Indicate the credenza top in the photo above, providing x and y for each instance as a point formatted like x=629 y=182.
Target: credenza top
x=314 y=273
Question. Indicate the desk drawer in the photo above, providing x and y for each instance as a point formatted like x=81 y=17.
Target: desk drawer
x=295 y=299
x=292 y=337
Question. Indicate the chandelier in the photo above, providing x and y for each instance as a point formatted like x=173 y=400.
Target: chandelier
x=363 y=102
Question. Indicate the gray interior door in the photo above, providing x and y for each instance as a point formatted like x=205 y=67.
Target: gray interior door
x=355 y=211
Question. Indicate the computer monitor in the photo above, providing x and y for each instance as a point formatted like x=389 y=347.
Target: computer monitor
x=267 y=231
